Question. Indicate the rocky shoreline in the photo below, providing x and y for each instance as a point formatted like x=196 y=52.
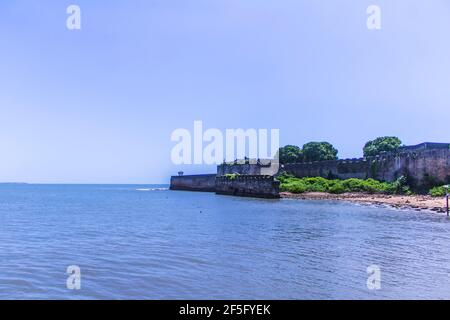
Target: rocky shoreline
x=414 y=202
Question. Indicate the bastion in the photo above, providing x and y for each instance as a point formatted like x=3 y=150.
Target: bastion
x=424 y=165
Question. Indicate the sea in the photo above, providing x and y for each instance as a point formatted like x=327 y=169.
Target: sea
x=147 y=242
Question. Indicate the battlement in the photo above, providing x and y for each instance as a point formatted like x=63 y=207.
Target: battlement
x=425 y=164
x=243 y=178
x=259 y=186
x=248 y=167
x=425 y=146
x=248 y=186
x=200 y=182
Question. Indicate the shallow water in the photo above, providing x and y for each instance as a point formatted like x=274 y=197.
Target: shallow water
x=139 y=243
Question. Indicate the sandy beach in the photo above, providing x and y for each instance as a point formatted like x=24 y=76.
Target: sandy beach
x=415 y=202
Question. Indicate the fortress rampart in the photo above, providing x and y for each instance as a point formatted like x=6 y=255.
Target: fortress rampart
x=247 y=167
x=248 y=186
x=424 y=165
x=200 y=182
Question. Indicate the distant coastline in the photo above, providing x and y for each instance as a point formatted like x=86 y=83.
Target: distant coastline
x=13 y=183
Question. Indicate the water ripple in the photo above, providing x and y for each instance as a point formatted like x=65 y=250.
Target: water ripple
x=162 y=244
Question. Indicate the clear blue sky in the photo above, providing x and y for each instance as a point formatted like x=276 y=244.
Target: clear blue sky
x=98 y=105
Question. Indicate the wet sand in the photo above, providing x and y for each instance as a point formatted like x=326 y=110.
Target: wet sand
x=415 y=202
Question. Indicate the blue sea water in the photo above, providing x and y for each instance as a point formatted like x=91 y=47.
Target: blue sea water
x=138 y=242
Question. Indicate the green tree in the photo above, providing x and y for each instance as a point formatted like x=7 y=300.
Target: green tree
x=319 y=151
x=290 y=154
x=381 y=144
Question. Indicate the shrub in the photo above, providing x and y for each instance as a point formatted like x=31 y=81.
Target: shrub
x=297 y=188
x=337 y=188
x=231 y=176
x=437 y=192
x=374 y=186
x=294 y=186
x=353 y=185
x=285 y=177
x=319 y=184
x=400 y=186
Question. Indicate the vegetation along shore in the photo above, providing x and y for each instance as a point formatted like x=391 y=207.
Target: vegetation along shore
x=396 y=194
x=401 y=192
x=389 y=173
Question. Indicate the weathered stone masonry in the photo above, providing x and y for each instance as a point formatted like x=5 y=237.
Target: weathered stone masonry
x=200 y=182
x=248 y=186
x=424 y=165
x=247 y=168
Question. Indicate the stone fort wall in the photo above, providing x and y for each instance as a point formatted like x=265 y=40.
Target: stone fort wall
x=199 y=182
x=248 y=186
x=424 y=165
x=248 y=167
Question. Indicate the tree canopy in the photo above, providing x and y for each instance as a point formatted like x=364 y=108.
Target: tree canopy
x=290 y=154
x=312 y=151
x=319 y=151
x=381 y=144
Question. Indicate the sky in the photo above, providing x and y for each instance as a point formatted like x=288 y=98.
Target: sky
x=98 y=105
